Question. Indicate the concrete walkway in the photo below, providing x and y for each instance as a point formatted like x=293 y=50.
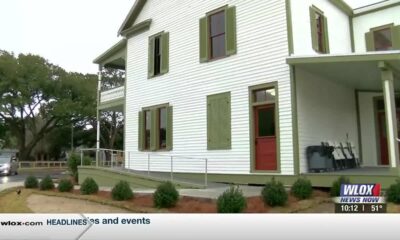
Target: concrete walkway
x=211 y=192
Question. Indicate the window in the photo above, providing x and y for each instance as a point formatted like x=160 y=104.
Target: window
x=162 y=127
x=264 y=95
x=218 y=34
x=219 y=121
x=158 y=55
x=383 y=38
x=147 y=124
x=155 y=128
x=319 y=30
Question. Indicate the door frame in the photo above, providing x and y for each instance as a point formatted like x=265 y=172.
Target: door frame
x=377 y=127
x=252 y=104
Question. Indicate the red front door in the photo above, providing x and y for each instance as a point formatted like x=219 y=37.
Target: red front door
x=383 y=144
x=265 y=138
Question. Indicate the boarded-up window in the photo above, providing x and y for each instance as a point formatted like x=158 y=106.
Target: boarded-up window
x=219 y=122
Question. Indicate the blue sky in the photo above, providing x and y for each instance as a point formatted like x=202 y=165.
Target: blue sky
x=69 y=33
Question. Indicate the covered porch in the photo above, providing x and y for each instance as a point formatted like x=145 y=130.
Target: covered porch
x=111 y=91
x=349 y=100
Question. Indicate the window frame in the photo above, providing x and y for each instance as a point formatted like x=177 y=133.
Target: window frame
x=210 y=37
x=155 y=125
x=160 y=147
x=379 y=28
x=147 y=138
x=163 y=40
x=157 y=57
x=322 y=37
x=230 y=34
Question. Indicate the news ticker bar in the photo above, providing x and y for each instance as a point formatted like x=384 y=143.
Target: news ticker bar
x=199 y=226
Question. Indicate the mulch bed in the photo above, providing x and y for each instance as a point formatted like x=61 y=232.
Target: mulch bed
x=203 y=205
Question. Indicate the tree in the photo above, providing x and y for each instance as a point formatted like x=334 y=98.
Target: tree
x=111 y=122
x=33 y=90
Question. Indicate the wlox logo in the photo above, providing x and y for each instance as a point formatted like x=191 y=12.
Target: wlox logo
x=360 y=190
x=360 y=193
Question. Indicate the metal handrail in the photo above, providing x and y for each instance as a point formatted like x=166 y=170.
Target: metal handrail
x=148 y=155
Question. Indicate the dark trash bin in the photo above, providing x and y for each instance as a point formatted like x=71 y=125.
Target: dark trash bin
x=320 y=158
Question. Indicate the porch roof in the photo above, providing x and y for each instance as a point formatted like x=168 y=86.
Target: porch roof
x=360 y=71
x=114 y=57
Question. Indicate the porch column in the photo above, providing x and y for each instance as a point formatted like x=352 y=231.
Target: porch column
x=98 y=116
x=390 y=112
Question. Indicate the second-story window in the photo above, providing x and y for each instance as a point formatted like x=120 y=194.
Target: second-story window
x=157 y=56
x=383 y=38
x=218 y=34
x=158 y=59
x=319 y=30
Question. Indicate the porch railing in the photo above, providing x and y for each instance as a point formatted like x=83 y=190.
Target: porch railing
x=156 y=165
x=112 y=94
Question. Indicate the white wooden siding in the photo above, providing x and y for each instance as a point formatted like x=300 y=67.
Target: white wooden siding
x=338 y=27
x=364 y=23
x=261 y=52
x=326 y=112
x=368 y=128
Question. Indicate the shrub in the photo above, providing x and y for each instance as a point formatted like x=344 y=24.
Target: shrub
x=86 y=161
x=166 y=196
x=231 y=201
x=75 y=160
x=302 y=188
x=274 y=194
x=393 y=192
x=46 y=183
x=65 y=185
x=122 y=191
x=89 y=186
x=335 y=189
x=31 y=182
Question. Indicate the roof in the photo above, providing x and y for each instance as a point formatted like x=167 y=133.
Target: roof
x=376 y=7
x=110 y=52
x=132 y=15
x=360 y=71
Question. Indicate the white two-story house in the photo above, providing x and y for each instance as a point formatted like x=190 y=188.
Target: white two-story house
x=246 y=87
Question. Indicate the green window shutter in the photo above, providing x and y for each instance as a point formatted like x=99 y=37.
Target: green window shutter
x=313 y=24
x=369 y=41
x=141 y=131
x=230 y=28
x=151 y=57
x=169 y=129
x=396 y=37
x=204 y=39
x=154 y=130
x=165 y=53
x=326 y=35
x=219 y=122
